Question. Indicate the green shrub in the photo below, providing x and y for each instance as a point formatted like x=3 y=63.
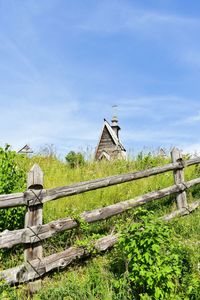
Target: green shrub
x=75 y=159
x=12 y=179
x=149 y=262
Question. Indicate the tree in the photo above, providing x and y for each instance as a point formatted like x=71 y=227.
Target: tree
x=75 y=159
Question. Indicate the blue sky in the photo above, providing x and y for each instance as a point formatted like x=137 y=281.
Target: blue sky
x=64 y=63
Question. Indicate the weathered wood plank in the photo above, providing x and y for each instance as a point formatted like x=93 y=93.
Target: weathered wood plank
x=21 y=199
x=11 y=200
x=34 y=213
x=37 y=268
x=27 y=198
x=56 y=193
x=36 y=233
x=183 y=211
x=181 y=198
x=35 y=178
x=34 y=218
x=114 y=209
x=191 y=162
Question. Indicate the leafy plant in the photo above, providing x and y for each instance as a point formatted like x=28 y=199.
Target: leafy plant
x=148 y=260
x=75 y=159
x=12 y=179
x=92 y=278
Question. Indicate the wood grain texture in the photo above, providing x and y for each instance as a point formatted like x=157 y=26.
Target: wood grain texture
x=182 y=211
x=12 y=200
x=36 y=233
x=37 y=268
x=35 y=178
x=34 y=218
x=56 y=193
x=181 y=198
x=28 y=198
x=106 y=143
x=34 y=213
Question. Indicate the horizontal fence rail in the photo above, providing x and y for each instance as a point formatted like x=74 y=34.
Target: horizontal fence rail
x=35 y=265
x=33 y=197
x=37 y=233
x=39 y=267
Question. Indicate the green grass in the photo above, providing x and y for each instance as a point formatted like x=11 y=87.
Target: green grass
x=92 y=279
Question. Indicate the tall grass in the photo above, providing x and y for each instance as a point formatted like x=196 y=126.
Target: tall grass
x=57 y=173
x=92 y=280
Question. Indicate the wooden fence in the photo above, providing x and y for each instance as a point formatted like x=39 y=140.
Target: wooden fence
x=35 y=265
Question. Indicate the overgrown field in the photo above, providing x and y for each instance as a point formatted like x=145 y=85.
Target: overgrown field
x=168 y=255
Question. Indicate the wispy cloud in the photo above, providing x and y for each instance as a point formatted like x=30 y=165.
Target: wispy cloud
x=173 y=31
x=193 y=119
x=193 y=149
x=64 y=64
x=114 y=16
x=44 y=124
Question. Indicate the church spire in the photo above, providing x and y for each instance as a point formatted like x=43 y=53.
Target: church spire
x=114 y=121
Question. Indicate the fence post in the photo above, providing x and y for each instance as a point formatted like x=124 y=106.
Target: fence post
x=181 y=198
x=34 y=217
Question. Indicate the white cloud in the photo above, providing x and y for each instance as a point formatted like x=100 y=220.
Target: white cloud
x=153 y=135
x=43 y=121
x=111 y=17
x=41 y=100
x=176 y=33
x=193 y=149
x=193 y=119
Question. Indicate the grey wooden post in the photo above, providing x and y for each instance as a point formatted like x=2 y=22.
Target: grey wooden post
x=181 y=198
x=34 y=217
